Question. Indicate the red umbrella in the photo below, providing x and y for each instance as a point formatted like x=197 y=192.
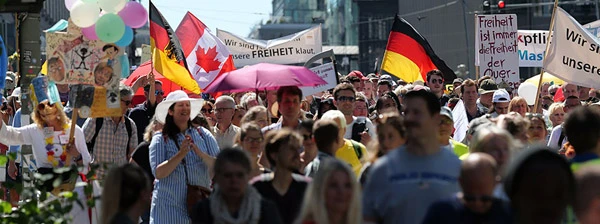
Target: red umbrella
x=144 y=70
x=264 y=76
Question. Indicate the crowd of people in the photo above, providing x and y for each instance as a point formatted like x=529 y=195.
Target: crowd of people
x=372 y=150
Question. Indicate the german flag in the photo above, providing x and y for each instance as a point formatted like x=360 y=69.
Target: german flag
x=409 y=56
x=167 y=57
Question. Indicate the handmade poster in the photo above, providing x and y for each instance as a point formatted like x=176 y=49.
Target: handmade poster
x=73 y=59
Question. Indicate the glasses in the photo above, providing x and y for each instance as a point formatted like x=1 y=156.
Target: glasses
x=346 y=99
x=436 y=81
x=307 y=137
x=159 y=92
x=253 y=140
x=482 y=198
x=209 y=111
x=126 y=102
x=446 y=121
x=532 y=115
x=43 y=106
x=221 y=110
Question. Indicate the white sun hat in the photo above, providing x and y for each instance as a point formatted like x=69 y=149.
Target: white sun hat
x=174 y=97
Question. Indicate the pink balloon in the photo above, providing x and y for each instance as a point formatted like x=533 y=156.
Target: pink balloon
x=134 y=14
x=69 y=4
x=90 y=32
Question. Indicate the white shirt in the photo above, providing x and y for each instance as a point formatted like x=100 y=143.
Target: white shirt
x=369 y=125
x=555 y=136
x=226 y=139
x=34 y=136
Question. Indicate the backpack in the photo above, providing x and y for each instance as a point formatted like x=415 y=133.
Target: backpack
x=99 y=122
x=358 y=127
x=357 y=149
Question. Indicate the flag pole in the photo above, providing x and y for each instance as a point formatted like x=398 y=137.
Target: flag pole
x=476 y=66
x=539 y=89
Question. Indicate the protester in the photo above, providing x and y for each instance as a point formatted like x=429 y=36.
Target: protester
x=250 y=100
x=283 y=186
x=141 y=155
x=552 y=89
x=355 y=80
x=112 y=140
x=475 y=204
x=535 y=167
x=251 y=140
x=570 y=90
x=368 y=90
x=359 y=129
x=142 y=113
x=180 y=155
x=332 y=197
x=435 y=82
x=325 y=105
x=224 y=130
x=420 y=155
x=487 y=88
x=388 y=102
x=257 y=114
x=446 y=129
x=238 y=114
x=208 y=110
x=310 y=148
x=200 y=121
x=557 y=136
x=288 y=99
x=516 y=125
x=537 y=128
x=54 y=151
x=328 y=140
x=556 y=114
x=582 y=128
x=544 y=89
x=587 y=194
x=469 y=96
x=233 y=199
x=126 y=195
x=383 y=86
x=352 y=152
x=500 y=103
x=361 y=107
x=519 y=105
x=391 y=134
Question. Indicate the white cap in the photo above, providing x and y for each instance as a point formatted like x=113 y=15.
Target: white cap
x=501 y=96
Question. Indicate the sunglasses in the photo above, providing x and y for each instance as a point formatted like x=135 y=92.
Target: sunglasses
x=207 y=110
x=346 y=99
x=436 y=81
x=307 y=137
x=253 y=140
x=158 y=92
x=482 y=198
x=126 y=102
x=43 y=106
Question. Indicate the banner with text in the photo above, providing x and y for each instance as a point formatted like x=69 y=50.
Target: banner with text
x=326 y=72
x=496 y=48
x=293 y=48
x=532 y=44
x=594 y=28
x=574 y=53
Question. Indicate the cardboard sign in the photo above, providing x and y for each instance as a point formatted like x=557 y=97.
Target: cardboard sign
x=327 y=73
x=532 y=44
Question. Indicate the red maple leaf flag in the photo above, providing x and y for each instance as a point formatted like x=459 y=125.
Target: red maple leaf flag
x=207 y=57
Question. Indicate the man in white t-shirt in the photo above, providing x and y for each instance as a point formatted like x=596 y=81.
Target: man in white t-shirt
x=344 y=99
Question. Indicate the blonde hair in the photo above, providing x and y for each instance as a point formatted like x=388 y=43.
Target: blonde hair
x=62 y=117
x=517 y=100
x=335 y=114
x=483 y=135
x=149 y=131
x=252 y=114
x=555 y=106
x=313 y=207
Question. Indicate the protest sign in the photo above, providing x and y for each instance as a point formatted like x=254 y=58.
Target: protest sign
x=146 y=54
x=594 y=28
x=531 y=45
x=73 y=59
x=326 y=72
x=293 y=48
x=574 y=53
x=496 y=48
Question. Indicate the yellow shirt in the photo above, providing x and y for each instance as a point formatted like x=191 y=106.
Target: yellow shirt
x=348 y=154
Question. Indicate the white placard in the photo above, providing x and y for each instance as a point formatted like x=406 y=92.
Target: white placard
x=532 y=44
x=496 y=51
x=327 y=73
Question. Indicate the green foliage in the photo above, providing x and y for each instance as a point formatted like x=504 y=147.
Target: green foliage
x=38 y=205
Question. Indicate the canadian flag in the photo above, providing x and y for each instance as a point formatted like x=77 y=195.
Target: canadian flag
x=207 y=57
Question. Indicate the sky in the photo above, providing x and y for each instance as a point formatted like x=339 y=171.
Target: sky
x=235 y=16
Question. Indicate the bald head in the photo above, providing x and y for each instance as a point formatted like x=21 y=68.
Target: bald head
x=478 y=179
x=475 y=164
x=587 y=193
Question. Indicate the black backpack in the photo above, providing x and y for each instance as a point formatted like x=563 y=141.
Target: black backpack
x=99 y=122
x=358 y=127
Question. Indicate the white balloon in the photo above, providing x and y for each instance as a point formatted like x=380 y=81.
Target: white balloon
x=84 y=14
x=529 y=92
x=113 y=6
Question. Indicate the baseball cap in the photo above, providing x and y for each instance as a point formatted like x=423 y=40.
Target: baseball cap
x=459 y=80
x=501 y=96
x=445 y=111
x=357 y=74
x=487 y=86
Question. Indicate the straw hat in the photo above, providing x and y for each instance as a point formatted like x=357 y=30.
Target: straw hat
x=174 y=97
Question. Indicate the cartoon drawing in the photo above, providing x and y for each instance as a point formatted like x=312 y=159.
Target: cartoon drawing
x=83 y=54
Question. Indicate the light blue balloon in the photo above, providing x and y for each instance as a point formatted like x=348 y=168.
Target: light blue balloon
x=125 y=71
x=127 y=37
x=3 y=64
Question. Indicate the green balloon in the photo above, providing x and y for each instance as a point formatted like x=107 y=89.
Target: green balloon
x=90 y=1
x=110 y=28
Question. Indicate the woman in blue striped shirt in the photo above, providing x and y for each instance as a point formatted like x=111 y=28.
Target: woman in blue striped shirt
x=180 y=155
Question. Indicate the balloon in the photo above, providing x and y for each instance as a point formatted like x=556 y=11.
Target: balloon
x=90 y=1
x=84 y=14
x=90 y=32
x=110 y=28
x=126 y=38
x=69 y=4
x=3 y=64
x=529 y=92
x=134 y=15
x=112 y=5
x=125 y=71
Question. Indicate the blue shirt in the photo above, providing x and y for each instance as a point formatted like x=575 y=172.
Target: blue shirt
x=452 y=210
x=402 y=186
x=16 y=148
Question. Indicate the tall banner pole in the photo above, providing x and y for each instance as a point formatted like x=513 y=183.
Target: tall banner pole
x=476 y=55
x=539 y=89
